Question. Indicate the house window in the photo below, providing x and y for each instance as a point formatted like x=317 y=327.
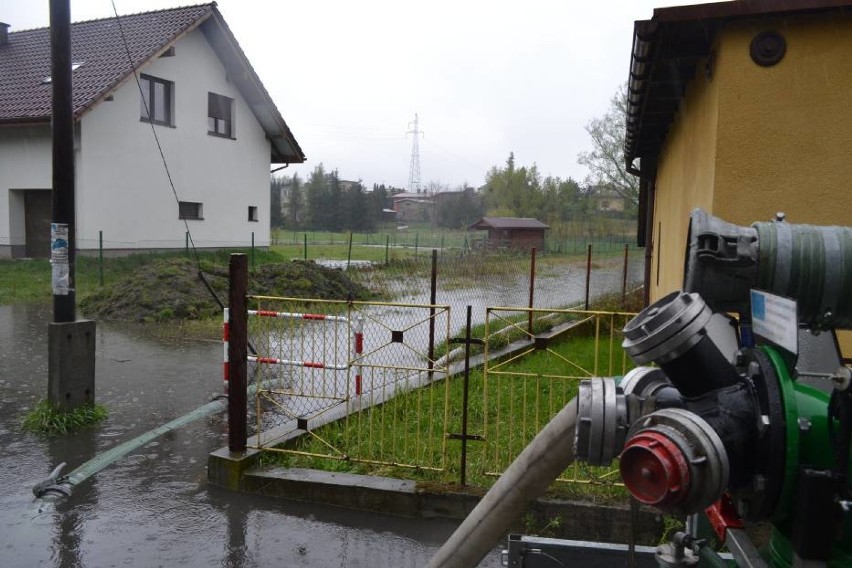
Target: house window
x=190 y=210
x=252 y=213
x=157 y=100
x=220 y=115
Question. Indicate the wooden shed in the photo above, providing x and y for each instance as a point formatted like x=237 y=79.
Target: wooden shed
x=519 y=233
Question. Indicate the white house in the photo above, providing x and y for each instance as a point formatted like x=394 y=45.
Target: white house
x=217 y=125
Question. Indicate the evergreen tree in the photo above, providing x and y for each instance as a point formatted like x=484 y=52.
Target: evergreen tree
x=295 y=203
x=275 y=188
x=316 y=197
x=459 y=210
x=335 y=213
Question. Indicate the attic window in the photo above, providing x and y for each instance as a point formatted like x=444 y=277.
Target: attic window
x=157 y=100
x=74 y=67
x=220 y=115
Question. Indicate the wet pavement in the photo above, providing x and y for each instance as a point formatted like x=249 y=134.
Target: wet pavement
x=154 y=507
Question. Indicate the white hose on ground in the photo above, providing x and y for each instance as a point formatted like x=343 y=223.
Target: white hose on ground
x=532 y=472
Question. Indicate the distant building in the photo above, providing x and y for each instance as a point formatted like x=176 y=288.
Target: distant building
x=346 y=185
x=411 y=206
x=606 y=200
x=519 y=233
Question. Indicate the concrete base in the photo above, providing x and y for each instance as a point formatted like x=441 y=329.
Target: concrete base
x=71 y=364
x=563 y=519
x=226 y=468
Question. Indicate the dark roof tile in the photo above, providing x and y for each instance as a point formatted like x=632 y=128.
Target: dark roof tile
x=508 y=223
x=97 y=44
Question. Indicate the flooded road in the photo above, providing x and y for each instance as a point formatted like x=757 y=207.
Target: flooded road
x=154 y=507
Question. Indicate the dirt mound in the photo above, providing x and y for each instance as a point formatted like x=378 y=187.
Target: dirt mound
x=167 y=289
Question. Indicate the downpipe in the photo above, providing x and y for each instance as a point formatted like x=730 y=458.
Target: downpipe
x=532 y=472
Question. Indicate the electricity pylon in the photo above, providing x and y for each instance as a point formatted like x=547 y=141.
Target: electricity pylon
x=414 y=167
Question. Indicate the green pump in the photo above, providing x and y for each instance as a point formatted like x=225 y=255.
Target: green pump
x=731 y=420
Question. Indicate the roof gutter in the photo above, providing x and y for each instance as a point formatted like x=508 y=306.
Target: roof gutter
x=640 y=68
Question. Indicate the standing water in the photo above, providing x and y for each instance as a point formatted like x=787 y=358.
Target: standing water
x=154 y=507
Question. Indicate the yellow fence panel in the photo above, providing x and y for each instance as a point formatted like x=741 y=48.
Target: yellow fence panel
x=534 y=360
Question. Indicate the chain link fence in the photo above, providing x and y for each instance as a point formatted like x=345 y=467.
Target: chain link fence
x=319 y=363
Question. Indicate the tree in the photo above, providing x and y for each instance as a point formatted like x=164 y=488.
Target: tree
x=606 y=159
x=275 y=187
x=460 y=209
x=317 y=198
x=295 y=203
x=513 y=191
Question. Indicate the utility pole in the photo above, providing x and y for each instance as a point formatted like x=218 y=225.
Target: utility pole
x=62 y=238
x=414 y=167
x=71 y=343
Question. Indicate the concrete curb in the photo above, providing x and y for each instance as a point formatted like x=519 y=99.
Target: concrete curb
x=563 y=519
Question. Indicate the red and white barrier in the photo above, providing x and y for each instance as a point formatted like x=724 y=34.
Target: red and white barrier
x=292 y=363
x=359 y=349
x=289 y=315
x=358 y=345
x=226 y=338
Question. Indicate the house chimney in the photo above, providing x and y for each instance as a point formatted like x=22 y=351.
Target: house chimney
x=4 y=33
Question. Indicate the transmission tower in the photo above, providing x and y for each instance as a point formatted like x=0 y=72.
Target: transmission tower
x=414 y=167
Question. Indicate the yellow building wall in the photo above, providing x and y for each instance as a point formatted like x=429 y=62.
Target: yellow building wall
x=784 y=139
x=685 y=179
x=757 y=140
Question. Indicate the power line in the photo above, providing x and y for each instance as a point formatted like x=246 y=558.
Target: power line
x=154 y=131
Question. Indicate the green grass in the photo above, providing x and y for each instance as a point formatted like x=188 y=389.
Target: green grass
x=522 y=397
x=30 y=279
x=22 y=280
x=49 y=420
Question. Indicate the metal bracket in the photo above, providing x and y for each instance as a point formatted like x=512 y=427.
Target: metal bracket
x=475 y=437
x=472 y=340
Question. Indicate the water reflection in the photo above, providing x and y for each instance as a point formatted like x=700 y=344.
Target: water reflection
x=69 y=520
x=153 y=507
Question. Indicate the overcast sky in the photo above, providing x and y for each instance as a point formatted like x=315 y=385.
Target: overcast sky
x=486 y=77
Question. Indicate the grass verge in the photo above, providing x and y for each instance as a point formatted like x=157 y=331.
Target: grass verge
x=405 y=437
x=49 y=420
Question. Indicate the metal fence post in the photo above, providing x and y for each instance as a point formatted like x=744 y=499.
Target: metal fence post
x=464 y=436
x=532 y=292
x=624 y=277
x=463 y=472
x=387 y=245
x=306 y=247
x=349 y=254
x=237 y=353
x=432 y=296
x=588 y=274
x=101 y=257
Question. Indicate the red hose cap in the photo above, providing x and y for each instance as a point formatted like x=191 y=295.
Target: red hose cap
x=654 y=469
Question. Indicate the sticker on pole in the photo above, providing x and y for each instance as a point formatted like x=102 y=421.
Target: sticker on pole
x=60 y=270
x=774 y=318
